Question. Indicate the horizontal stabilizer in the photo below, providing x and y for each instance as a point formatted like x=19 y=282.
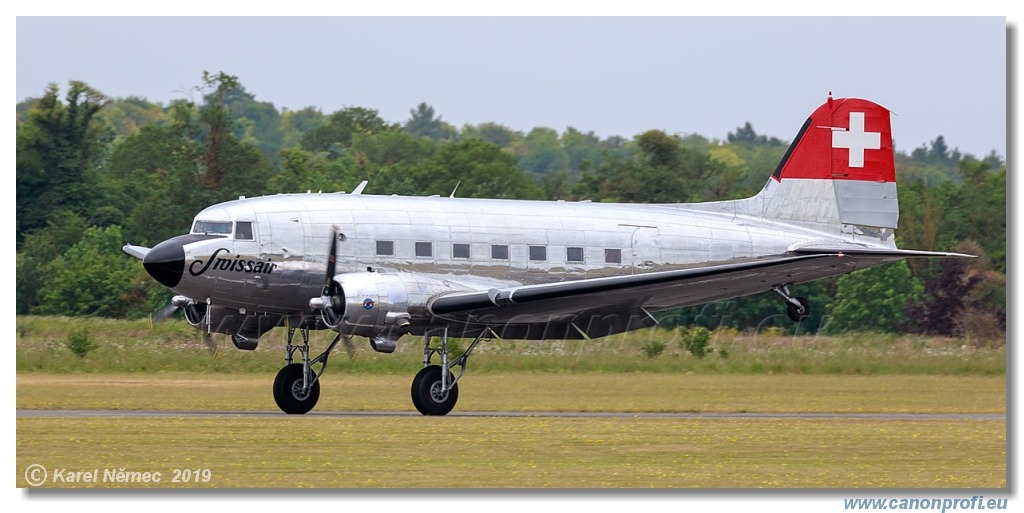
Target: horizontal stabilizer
x=135 y=251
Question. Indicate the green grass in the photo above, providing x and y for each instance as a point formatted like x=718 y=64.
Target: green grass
x=173 y=346
x=569 y=392
x=135 y=367
x=448 y=452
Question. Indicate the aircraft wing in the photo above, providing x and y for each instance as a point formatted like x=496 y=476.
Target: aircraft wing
x=602 y=306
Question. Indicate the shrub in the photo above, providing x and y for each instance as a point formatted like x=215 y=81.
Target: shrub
x=695 y=340
x=652 y=348
x=980 y=328
x=80 y=341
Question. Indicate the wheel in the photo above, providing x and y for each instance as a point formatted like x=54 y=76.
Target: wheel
x=427 y=395
x=288 y=391
x=798 y=314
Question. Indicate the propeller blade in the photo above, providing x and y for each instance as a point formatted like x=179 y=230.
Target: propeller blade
x=210 y=344
x=331 y=262
x=165 y=312
x=349 y=348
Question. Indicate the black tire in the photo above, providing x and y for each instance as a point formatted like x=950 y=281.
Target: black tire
x=426 y=392
x=287 y=391
x=798 y=314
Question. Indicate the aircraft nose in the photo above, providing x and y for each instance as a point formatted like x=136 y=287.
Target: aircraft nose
x=166 y=262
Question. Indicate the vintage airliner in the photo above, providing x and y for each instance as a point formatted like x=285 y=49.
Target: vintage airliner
x=386 y=266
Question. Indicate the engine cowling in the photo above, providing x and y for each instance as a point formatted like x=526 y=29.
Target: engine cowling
x=244 y=328
x=382 y=306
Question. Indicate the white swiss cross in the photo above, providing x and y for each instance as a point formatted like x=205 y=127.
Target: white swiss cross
x=857 y=140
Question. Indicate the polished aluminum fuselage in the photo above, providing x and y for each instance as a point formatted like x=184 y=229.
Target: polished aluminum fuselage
x=283 y=265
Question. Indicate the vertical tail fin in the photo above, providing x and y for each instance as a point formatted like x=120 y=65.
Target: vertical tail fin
x=838 y=176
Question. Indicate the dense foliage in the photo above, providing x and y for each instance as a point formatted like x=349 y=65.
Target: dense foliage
x=95 y=172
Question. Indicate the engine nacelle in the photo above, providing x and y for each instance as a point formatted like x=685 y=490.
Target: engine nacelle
x=383 y=306
x=245 y=328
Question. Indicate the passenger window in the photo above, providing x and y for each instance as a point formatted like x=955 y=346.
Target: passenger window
x=538 y=253
x=424 y=249
x=499 y=252
x=574 y=255
x=385 y=247
x=243 y=230
x=460 y=250
x=613 y=256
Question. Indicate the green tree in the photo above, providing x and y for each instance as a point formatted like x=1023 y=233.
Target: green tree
x=498 y=135
x=295 y=124
x=161 y=176
x=423 y=123
x=216 y=120
x=727 y=183
x=126 y=116
x=747 y=135
x=480 y=169
x=389 y=159
x=341 y=127
x=543 y=153
x=982 y=199
x=392 y=146
x=93 y=277
x=57 y=149
x=302 y=171
x=256 y=123
x=874 y=300
x=153 y=177
x=35 y=265
x=584 y=150
x=662 y=171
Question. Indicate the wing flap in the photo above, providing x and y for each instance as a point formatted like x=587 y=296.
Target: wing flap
x=867 y=251
x=583 y=299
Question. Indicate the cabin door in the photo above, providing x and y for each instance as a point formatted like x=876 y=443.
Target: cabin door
x=645 y=246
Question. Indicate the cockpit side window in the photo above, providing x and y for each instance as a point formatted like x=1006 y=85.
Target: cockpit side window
x=243 y=230
x=214 y=227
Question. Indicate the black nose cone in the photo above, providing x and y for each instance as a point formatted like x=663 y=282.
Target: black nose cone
x=166 y=262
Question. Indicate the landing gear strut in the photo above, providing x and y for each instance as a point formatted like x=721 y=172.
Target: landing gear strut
x=797 y=308
x=297 y=385
x=435 y=389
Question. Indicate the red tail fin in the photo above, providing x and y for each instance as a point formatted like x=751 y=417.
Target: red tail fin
x=838 y=177
x=844 y=139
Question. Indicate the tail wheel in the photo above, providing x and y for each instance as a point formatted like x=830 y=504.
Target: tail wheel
x=798 y=313
x=289 y=393
x=428 y=395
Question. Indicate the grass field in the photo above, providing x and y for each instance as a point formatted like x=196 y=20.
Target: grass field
x=577 y=392
x=133 y=367
x=501 y=452
x=460 y=452
x=135 y=347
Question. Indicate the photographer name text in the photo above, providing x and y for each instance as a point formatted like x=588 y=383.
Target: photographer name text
x=37 y=475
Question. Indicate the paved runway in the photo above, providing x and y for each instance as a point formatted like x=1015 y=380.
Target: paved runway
x=370 y=414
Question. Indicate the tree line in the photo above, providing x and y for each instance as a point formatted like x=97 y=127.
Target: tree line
x=95 y=172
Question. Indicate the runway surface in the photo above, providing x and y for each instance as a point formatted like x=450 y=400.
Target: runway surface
x=668 y=415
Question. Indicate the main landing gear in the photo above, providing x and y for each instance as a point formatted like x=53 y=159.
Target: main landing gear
x=797 y=308
x=435 y=389
x=297 y=385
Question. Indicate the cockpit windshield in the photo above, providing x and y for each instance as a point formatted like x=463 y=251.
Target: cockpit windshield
x=214 y=227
